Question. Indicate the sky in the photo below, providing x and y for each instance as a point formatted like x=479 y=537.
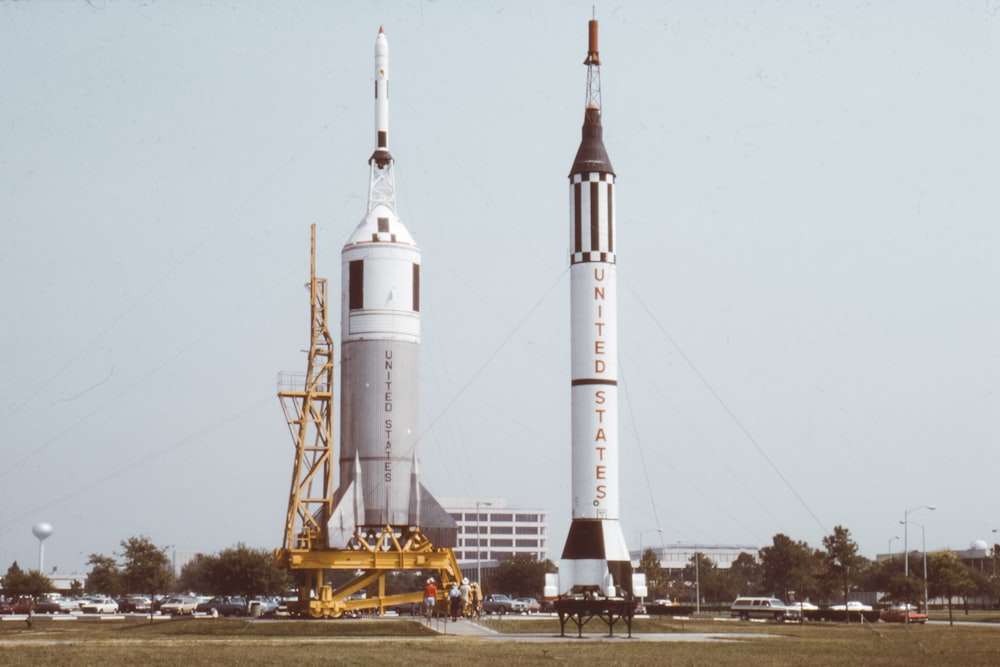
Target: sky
x=806 y=218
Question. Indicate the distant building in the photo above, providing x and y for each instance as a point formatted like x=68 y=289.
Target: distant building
x=182 y=558
x=62 y=582
x=678 y=556
x=489 y=531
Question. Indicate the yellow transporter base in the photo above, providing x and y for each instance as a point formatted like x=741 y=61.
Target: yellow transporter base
x=373 y=560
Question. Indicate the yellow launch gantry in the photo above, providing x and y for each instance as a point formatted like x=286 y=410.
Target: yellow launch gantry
x=308 y=406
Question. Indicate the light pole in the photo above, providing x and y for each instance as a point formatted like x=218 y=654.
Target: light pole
x=906 y=546
x=697 y=584
x=479 y=540
x=923 y=548
x=894 y=537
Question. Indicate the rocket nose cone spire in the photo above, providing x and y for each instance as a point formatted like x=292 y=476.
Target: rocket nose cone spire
x=381 y=156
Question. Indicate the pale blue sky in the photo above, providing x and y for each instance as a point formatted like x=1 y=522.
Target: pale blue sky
x=807 y=210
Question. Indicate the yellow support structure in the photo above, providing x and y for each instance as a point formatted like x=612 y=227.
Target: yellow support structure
x=373 y=561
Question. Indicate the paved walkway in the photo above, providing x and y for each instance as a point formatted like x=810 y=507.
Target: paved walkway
x=464 y=628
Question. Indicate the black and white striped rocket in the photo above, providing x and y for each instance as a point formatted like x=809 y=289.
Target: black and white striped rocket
x=380 y=346
x=595 y=557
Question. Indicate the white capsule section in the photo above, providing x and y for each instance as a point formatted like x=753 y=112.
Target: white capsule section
x=381 y=90
x=380 y=337
x=594 y=348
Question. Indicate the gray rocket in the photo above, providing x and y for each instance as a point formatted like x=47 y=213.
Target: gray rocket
x=380 y=359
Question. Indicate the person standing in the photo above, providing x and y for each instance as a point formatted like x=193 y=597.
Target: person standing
x=430 y=598
x=455 y=599
x=477 y=600
x=466 y=592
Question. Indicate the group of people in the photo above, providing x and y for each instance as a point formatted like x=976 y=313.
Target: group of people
x=464 y=600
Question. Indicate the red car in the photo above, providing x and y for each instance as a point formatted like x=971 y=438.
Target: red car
x=22 y=605
x=897 y=614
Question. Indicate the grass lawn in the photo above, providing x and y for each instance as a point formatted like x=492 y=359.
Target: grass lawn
x=357 y=642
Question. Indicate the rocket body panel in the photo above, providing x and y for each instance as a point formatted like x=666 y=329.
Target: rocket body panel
x=379 y=425
x=380 y=293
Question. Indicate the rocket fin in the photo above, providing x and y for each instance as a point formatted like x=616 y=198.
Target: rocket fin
x=348 y=511
x=414 y=518
x=436 y=523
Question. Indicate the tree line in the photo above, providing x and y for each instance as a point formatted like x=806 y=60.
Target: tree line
x=142 y=568
x=794 y=571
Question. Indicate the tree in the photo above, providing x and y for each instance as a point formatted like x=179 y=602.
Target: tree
x=841 y=563
x=237 y=571
x=948 y=577
x=13 y=581
x=656 y=579
x=18 y=583
x=196 y=575
x=522 y=575
x=105 y=577
x=702 y=577
x=247 y=572
x=745 y=575
x=787 y=566
x=147 y=568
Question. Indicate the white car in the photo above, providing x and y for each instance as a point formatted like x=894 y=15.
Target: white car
x=179 y=606
x=853 y=605
x=99 y=606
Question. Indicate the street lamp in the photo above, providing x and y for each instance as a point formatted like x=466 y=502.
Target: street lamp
x=697 y=584
x=906 y=546
x=923 y=549
x=479 y=540
x=894 y=537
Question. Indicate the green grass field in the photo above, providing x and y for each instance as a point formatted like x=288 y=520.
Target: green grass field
x=358 y=642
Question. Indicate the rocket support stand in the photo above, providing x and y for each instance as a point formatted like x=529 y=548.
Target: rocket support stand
x=374 y=559
x=581 y=611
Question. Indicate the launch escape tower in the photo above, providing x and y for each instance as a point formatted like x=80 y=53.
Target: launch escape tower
x=379 y=518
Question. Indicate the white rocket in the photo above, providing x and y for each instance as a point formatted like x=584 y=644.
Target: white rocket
x=595 y=558
x=380 y=344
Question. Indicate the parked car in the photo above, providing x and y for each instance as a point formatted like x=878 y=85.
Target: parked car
x=135 y=603
x=897 y=614
x=178 y=606
x=225 y=606
x=407 y=608
x=762 y=607
x=268 y=605
x=69 y=605
x=852 y=605
x=101 y=605
x=22 y=605
x=498 y=603
x=48 y=606
x=531 y=605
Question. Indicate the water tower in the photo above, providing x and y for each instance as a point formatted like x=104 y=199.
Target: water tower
x=41 y=531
